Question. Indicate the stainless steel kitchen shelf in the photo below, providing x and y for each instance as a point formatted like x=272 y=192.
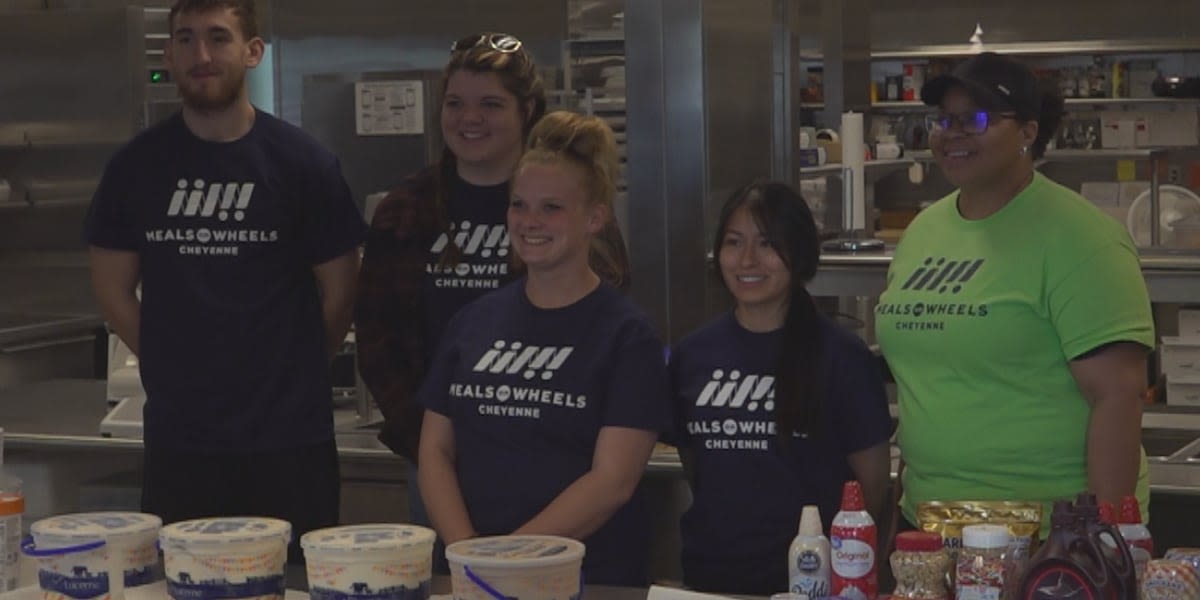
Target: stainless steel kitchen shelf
x=875 y=169
x=916 y=106
x=597 y=45
x=1104 y=154
x=1049 y=48
x=912 y=156
x=1068 y=155
x=1171 y=417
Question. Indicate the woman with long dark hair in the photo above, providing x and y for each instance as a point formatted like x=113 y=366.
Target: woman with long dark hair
x=775 y=405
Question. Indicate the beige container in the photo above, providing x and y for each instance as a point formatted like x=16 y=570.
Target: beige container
x=95 y=555
x=369 y=561
x=529 y=567
x=240 y=558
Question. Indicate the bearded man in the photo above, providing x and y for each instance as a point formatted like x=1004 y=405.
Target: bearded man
x=242 y=234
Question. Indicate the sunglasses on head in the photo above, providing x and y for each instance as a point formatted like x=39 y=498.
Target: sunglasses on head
x=500 y=42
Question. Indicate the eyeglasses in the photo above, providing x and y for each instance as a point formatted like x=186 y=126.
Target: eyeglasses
x=970 y=123
x=500 y=42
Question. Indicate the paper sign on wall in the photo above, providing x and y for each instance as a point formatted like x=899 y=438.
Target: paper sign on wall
x=389 y=107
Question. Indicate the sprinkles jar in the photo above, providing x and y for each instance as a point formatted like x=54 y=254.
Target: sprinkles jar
x=984 y=569
x=921 y=566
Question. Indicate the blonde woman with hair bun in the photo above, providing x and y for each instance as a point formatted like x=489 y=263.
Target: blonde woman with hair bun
x=545 y=397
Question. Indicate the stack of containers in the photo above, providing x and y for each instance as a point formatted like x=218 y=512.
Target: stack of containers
x=1181 y=360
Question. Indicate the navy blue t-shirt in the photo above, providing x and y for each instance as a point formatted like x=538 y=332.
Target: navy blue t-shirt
x=232 y=353
x=478 y=227
x=528 y=391
x=748 y=490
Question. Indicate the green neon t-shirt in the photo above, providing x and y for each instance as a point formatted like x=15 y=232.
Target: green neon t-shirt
x=978 y=324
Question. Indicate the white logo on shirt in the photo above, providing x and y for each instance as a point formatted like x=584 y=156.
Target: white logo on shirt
x=223 y=199
x=736 y=391
x=482 y=239
x=510 y=358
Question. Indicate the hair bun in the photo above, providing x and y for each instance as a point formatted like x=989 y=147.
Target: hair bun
x=584 y=137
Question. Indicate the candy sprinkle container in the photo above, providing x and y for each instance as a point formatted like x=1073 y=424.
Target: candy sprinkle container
x=1170 y=580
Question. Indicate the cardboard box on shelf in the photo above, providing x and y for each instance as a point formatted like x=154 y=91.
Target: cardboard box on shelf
x=1189 y=322
x=1180 y=357
x=1183 y=391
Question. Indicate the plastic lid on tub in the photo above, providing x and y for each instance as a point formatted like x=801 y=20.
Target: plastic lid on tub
x=85 y=527
x=515 y=551
x=372 y=537
x=986 y=536
x=225 y=530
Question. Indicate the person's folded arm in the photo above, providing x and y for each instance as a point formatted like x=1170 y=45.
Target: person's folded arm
x=588 y=503
x=388 y=326
x=439 y=480
x=115 y=275
x=873 y=469
x=337 y=280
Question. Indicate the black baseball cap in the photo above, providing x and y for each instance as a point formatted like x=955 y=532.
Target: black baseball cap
x=994 y=82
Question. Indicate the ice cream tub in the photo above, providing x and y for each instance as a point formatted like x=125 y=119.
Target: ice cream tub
x=529 y=567
x=375 y=562
x=94 y=555
x=226 y=558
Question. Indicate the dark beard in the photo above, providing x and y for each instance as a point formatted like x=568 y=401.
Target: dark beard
x=205 y=103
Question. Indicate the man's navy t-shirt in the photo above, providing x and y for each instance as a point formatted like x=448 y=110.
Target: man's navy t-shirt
x=528 y=391
x=233 y=354
x=748 y=490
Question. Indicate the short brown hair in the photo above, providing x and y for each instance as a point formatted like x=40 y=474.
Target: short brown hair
x=242 y=9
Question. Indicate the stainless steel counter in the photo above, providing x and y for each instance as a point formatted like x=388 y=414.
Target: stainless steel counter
x=65 y=415
x=21 y=329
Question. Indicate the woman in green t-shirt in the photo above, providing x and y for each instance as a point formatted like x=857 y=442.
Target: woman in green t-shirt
x=1015 y=320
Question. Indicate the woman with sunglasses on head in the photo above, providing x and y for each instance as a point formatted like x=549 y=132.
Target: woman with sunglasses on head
x=438 y=241
x=545 y=397
x=1016 y=320
x=775 y=405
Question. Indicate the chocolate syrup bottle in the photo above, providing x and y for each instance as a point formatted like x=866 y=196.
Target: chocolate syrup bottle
x=1068 y=565
x=1112 y=546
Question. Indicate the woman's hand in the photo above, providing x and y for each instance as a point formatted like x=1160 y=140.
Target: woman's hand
x=439 y=482
x=587 y=504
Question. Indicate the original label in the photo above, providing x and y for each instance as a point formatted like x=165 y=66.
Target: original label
x=853 y=559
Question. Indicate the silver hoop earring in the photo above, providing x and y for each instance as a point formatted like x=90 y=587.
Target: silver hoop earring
x=1024 y=150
